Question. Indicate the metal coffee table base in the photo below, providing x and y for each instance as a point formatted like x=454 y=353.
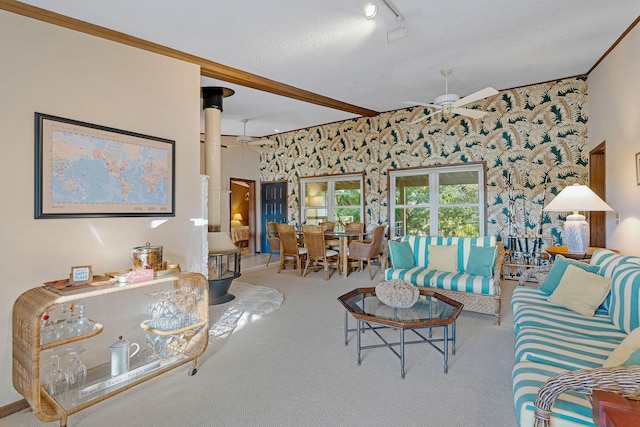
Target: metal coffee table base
x=362 y=326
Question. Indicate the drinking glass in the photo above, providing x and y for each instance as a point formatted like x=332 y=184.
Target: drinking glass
x=57 y=380
x=76 y=373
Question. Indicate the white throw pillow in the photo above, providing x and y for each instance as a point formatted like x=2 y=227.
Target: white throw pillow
x=626 y=348
x=443 y=258
x=580 y=291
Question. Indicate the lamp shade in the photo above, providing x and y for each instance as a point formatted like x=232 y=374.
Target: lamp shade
x=576 y=229
x=577 y=197
x=236 y=220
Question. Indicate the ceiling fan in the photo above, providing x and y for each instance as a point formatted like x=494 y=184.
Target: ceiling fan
x=245 y=140
x=452 y=103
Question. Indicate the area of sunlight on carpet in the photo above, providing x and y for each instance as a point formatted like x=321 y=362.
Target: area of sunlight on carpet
x=250 y=304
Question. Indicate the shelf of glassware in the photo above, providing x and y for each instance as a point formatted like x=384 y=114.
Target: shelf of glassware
x=28 y=310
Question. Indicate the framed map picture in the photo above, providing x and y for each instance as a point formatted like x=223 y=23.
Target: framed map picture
x=87 y=170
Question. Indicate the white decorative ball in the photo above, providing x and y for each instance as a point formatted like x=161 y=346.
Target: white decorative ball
x=397 y=293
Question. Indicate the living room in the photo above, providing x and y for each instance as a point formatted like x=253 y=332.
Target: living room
x=51 y=69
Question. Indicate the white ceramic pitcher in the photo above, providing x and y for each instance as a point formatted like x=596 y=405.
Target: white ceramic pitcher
x=121 y=354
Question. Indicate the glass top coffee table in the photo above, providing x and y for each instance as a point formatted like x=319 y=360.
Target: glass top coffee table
x=432 y=310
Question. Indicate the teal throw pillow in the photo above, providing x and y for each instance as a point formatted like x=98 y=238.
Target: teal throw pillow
x=482 y=259
x=401 y=255
x=634 y=359
x=558 y=268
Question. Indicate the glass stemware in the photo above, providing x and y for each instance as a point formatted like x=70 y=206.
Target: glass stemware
x=76 y=372
x=82 y=324
x=47 y=331
x=57 y=380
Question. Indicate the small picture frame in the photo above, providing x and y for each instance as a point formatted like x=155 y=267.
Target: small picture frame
x=80 y=275
x=637 y=168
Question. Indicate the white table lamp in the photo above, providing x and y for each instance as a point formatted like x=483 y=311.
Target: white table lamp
x=576 y=229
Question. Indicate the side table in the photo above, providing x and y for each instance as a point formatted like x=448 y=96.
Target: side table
x=564 y=251
x=613 y=410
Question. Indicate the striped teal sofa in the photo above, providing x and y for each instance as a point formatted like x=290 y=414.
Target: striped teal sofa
x=559 y=353
x=478 y=293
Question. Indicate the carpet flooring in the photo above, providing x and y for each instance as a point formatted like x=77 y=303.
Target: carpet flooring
x=290 y=367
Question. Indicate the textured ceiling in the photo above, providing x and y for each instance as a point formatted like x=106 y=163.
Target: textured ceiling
x=328 y=48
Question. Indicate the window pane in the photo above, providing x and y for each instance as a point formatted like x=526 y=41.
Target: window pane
x=347 y=215
x=412 y=190
x=315 y=216
x=459 y=187
x=411 y=221
x=461 y=222
x=347 y=193
x=316 y=194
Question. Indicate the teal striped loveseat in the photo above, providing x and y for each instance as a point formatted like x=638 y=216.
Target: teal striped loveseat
x=559 y=353
x=478 y=293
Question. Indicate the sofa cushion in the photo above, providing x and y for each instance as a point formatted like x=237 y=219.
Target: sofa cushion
x=580 y=290
x=482 y=260
x=443 y=258
x=624 y=350
x=401 y=255
x=625 y=297
x=564 y=320
x=607 y=260
x=562 y=349
x=570 y=408
x=420 y=247
x=525 y=296
x=634 y=359
x=418 y=276
x=558 y=268
x=463 y=282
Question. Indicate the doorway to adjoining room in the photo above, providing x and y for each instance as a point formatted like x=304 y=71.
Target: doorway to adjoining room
x=243 y=214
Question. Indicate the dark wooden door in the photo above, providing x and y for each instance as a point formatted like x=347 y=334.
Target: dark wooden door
x=597 y=173
x=274 y=208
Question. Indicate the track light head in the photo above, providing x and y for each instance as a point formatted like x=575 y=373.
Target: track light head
x=368 y=7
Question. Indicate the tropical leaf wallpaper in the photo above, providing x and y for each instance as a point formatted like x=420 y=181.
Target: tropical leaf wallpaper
x=533 y=142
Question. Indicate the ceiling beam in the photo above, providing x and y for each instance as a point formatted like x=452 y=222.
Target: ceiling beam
x=207 y=68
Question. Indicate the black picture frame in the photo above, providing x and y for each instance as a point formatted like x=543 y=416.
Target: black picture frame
x=88 y=170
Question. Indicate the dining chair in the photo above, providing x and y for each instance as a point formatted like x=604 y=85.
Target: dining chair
x=368 y=251
x=289 y=249
x=328 y=225
x=317 y=253
x=274 y=241
x=354 y=227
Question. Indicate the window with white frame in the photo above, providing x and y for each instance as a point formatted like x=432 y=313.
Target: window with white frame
x=438 y=201
x=332 y=198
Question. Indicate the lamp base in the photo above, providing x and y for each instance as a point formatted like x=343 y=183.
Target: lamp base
x=576 y=233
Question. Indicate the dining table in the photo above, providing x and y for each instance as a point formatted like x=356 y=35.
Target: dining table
x=344 y=237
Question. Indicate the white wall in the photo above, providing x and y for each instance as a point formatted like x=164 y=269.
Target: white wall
x=614 y=117
x=56 y=71
x=237 y=162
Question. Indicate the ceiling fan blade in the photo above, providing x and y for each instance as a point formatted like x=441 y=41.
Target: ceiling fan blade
x=424 y=104
x=474 y=114
x=482 y=93
x=425 y=117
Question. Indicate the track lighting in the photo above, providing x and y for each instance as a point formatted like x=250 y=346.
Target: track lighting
x=368 y=7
